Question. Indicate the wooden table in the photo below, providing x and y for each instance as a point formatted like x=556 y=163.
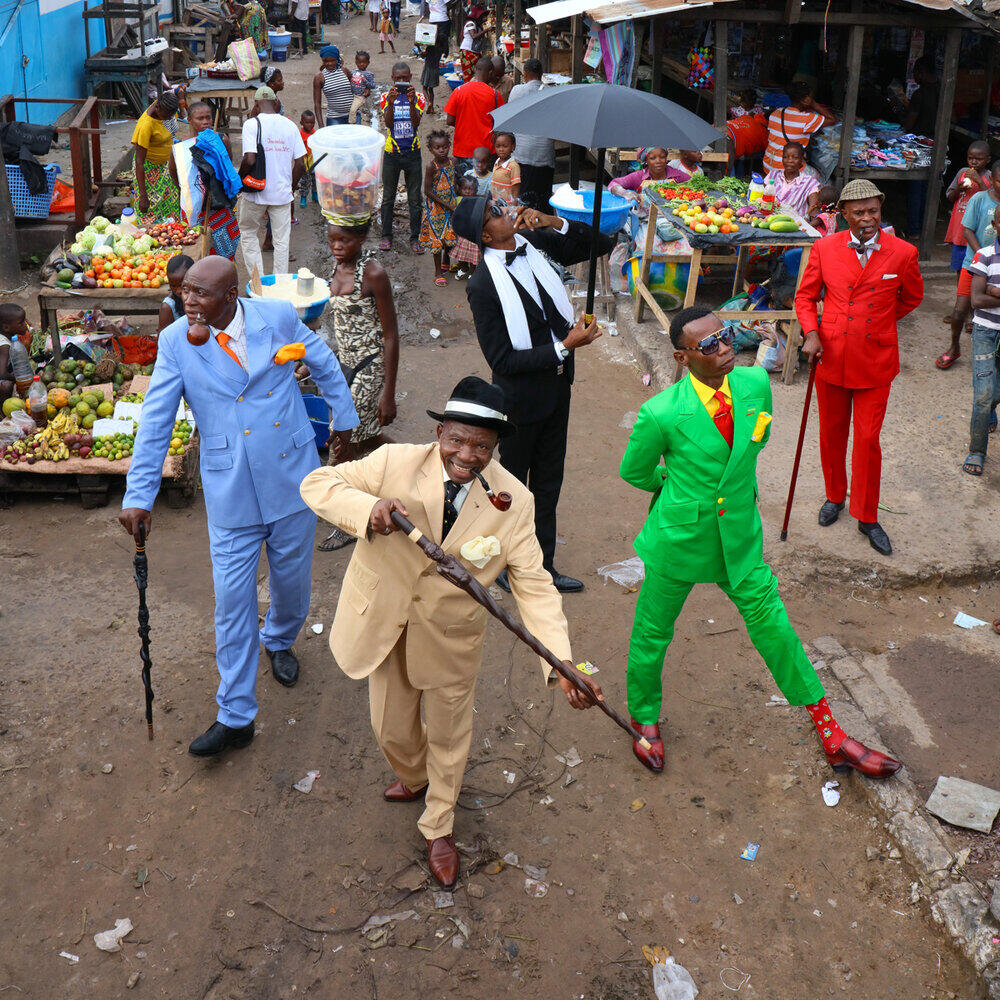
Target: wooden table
x=232 y=95
x=696 y=258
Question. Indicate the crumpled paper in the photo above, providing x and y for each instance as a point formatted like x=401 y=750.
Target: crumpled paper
x=480 y=550
x=111 y=940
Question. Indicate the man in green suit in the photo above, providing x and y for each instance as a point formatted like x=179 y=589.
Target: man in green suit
x=704 y=527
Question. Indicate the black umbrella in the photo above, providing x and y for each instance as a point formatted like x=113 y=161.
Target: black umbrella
x=602 y=115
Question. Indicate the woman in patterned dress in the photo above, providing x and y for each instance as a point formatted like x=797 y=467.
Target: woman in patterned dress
x=436 y=233
x=366 y=341
x=157 y=197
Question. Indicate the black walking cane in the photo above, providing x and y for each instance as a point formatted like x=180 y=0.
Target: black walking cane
x=452 y=570
x=141 y=578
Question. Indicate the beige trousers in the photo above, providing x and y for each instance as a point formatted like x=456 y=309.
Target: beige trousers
x=430 y=752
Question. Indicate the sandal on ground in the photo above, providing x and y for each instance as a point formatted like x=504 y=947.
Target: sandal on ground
x=946 y=360
x=992 y=429
x=385 y=244
x=415 y=246
x=441 y=281
x=337 y=539
x=973 y=465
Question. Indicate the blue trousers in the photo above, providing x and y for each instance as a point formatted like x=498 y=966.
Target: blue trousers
x=985 y=385
x=235 y=557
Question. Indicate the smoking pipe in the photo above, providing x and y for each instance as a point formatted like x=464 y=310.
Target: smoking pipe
x=198 y=332
x=501 y=501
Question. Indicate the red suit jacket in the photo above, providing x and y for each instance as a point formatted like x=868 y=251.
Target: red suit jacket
x=860 y=307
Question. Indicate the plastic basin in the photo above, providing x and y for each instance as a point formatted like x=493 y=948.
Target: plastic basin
x=319 y=417
x=279 y=39
x=614 y=210
x=454 y=80
x=308 y=313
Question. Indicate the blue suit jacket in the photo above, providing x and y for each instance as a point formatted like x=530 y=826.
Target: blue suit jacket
x=257 y=444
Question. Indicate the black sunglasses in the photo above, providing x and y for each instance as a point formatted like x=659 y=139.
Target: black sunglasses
x=494 y=209
x=710 y=344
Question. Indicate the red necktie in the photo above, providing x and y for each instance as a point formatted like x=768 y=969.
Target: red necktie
x=223 y=339
x=724 y=418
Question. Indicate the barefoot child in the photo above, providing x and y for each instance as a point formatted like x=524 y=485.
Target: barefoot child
x=362 y=81
x=968 y=181
x=505 y=184
x=172 y=308
x=465 y=252
x=366 y=341
x=385 y=28
x=436 y=233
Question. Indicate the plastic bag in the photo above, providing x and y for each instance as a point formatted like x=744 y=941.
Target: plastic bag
x=628 y=573
x=673 y=982
x=18 y=425
x=771 y=353
x=244 y=55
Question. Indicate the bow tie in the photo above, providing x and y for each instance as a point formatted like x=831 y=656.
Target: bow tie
x=512 y=255
x=858 y=247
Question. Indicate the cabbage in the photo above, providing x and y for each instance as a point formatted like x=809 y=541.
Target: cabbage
x=100 y=223
x=77 y=248
x=86 y=239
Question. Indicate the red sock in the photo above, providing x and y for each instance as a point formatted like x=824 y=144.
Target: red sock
x=830 y=734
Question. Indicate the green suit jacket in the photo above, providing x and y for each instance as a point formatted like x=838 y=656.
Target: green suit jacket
x=703 y=523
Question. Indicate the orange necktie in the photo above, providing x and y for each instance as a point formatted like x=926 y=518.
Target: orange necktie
x=724 y=418
x=224 y=338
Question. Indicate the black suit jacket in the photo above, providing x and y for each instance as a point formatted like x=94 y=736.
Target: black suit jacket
x=530 y=379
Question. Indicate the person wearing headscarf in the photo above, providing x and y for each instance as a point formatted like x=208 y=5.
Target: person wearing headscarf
x=157 y=196
x=655 y=167
x=333 y=83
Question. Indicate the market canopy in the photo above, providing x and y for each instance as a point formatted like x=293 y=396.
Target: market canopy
x=609 y=11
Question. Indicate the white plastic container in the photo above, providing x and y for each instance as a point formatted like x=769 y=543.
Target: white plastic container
x=347 y=176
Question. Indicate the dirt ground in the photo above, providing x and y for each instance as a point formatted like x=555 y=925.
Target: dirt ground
x=241 y=887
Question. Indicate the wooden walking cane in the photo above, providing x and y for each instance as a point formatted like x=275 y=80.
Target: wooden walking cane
x=141 y=578
x=451 y=569
x=798 y=450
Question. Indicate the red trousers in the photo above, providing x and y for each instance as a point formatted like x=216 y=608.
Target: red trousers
x=835 y=404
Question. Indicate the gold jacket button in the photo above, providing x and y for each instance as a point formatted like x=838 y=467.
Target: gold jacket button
x=277 y=423
x=270 y=394
x=722 y=500
x=283 y=454
x=247 y=431
x=239 y=399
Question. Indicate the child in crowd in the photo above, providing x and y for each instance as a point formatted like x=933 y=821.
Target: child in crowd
x=687 y=163
x=465 y=251
x=505 y=184
x=13 y=326
x=172 y=308
x=401 y=109
x=366 y=342
x=472 y=42
x=436 y=233
x=385 y=28
x=985 y=295
x=970 y=180
x=307 y=125
x=362 y=81
x=482 y=169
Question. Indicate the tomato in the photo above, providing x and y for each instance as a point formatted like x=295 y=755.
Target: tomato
x=155 y=283
x=116 y=273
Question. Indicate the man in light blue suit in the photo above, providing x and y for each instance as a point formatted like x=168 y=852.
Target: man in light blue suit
x=257 y=446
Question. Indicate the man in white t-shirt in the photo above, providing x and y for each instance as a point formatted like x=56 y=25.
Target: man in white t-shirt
x=284 y=158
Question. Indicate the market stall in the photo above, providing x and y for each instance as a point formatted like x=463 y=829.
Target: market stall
x=777 y=231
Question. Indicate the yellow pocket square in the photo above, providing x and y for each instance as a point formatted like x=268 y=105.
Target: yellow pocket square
x=479 y=550
x=290 y=352
x=760 y=428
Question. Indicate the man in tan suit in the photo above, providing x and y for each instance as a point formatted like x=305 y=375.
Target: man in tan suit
x=415 y=636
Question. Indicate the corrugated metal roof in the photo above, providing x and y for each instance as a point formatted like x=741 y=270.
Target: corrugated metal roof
x=609 y=11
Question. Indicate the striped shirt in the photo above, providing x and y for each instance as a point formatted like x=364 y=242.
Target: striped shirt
x=788 y=125
x=986 y=264
x=338 y=92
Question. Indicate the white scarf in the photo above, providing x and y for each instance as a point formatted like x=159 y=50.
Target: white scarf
x=510 y=302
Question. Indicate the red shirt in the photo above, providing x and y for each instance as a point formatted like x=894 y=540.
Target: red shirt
x=470 y=105
x=748 y=134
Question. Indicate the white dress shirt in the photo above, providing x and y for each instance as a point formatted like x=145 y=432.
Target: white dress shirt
x=463 y=490
x=520 y=271
x=237 y=331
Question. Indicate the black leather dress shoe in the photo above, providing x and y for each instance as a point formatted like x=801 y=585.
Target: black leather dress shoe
x=829 y=513
x=503 y=583
x=219 y=737
x=566 y=584
x=284 y=666
x=877 y=538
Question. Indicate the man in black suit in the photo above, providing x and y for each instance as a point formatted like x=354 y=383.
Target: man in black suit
x=527 y=333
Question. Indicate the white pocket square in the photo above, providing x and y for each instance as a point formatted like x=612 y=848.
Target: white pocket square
x=479 y=550
x=886 y=277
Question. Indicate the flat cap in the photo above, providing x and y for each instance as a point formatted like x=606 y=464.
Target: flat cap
x=858 y=190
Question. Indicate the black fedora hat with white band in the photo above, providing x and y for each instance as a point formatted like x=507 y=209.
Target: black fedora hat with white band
x=478 y=403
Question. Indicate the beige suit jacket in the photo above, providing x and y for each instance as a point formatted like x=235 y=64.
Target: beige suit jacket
x=391 y=585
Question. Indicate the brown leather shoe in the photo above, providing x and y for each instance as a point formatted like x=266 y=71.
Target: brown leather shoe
x=653 y=757
x=398 y=792
x=854 y=754
x=442 y=858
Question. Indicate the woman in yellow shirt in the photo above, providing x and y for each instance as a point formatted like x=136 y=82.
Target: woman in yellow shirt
x=156 y=194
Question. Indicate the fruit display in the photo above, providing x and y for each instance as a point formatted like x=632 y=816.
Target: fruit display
x=73 y=375
x=717 y=218
x=179 y=438
x=55 y=442
x=114 y=447
x=148 y=270
x=173 y=234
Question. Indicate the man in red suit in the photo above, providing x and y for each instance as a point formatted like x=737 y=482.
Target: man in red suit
x=868 y=279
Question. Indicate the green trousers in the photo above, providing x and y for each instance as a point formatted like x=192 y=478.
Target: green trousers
x=757 y=600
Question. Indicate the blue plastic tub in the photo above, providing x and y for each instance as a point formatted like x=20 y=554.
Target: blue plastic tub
x=279 y=40
x=319 y=417
x=614 y=210
x=454 y=80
